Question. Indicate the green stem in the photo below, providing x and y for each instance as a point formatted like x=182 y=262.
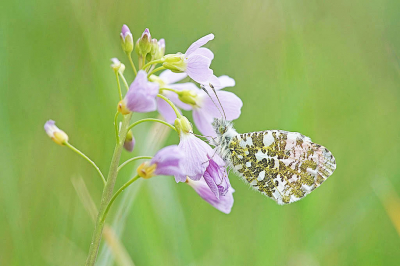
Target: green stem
x=116 y=195
x=169 y=89
x=126 y=83
x=107 y=193
x=119 y=86
x=170 y=103
x=116 y=126
x=132 y=64
x=152 y=63
x=151 y=120
x=132 y=160
x=155 y=70
x=87 y=158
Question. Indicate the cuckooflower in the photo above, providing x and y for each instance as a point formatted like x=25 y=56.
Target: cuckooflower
x=141 y=96
x=117 y=66
x=195 y=62
x=204 y=109
x=223 y=203
x=56 y=134
x=167 y=161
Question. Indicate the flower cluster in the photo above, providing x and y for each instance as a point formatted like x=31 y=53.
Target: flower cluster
x=192 y=161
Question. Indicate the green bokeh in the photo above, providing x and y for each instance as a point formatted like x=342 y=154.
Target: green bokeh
x=327 y=69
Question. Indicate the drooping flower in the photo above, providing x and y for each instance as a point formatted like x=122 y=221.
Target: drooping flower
x=195 y=62
x=167 y=161
x=141 y=96
x=223 y=203
x=126 y=39
x=129 y=142
x=56 y=134
x=205 y=108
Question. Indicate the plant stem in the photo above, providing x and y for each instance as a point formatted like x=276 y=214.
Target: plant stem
x=152 y=63
x=151 y=120
x=116 y=126
x=107 y=193
x=155 y=70
x=126 y=83
x=132 y=160
x=132 y=64
x=87 y=158
x=170 y=103
x=116 y=195
x=119 y=86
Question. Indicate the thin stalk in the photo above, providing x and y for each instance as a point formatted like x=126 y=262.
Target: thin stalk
x=152 y=63
x=170 y=103
x=132 y=64
x=132 y=160
x=107 y=193
x=126 y=83
x=116 y=195
x=119 y=85
x=151 y=120
x=87 y=158
x=155 y=70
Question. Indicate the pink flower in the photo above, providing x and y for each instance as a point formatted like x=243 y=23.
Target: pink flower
x=141 y=96
x=204 y=109
x=223 y=203
x=195 y=62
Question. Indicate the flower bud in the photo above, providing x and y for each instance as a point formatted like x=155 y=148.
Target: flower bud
x=122 y=108
x=144 y=43
x=117 y=65
x=175 y=62
x=146 y=170
x=126 y=39
x=129 y=142
x=57 y=135
x=154 y=50
x=183 y=125
x=161 y=46
x=187 y=96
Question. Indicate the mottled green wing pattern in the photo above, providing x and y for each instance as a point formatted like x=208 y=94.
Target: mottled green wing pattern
x=285 y=166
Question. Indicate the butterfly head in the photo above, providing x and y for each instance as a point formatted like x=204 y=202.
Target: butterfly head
x=223 y=127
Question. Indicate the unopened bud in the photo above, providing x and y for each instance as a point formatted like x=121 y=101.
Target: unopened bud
x=187 y=96
x=161 y=46
x=154 y=50
x=126 y=39
x=122 y=108
x=145 y=170
x=183 y=125
x=144 y=43
x=129 y=142
x=56 y=134
x=175 y=62
x=117 y=65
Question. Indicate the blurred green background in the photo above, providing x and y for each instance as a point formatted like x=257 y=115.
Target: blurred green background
x=327 y=69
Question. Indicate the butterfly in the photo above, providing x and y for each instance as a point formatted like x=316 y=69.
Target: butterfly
x=285 y=166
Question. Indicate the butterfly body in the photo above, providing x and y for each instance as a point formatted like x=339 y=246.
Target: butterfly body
x=285 y=166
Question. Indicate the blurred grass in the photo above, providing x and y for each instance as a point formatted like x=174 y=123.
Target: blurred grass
x=328 y=69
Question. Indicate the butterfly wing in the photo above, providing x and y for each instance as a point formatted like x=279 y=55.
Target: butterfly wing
x=285 y=166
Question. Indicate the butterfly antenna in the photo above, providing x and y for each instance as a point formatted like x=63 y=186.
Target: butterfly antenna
x=204 y=89
x=212 y=87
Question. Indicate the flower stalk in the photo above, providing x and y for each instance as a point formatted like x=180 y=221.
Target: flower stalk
x=107 y=193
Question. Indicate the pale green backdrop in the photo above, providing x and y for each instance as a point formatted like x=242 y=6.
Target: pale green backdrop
x=328 y=69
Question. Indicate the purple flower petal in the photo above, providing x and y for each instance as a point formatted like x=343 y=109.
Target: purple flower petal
x=223 y=204
x=169 y=77
x=203 y=119
x=224 y=81
x=229 y=101
x=168 y=161
x=125 y=30
x=166 y=110
x=196 y=157
x=141 y=96
x=198 y=68
x=200 y=42
x=204 y=52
